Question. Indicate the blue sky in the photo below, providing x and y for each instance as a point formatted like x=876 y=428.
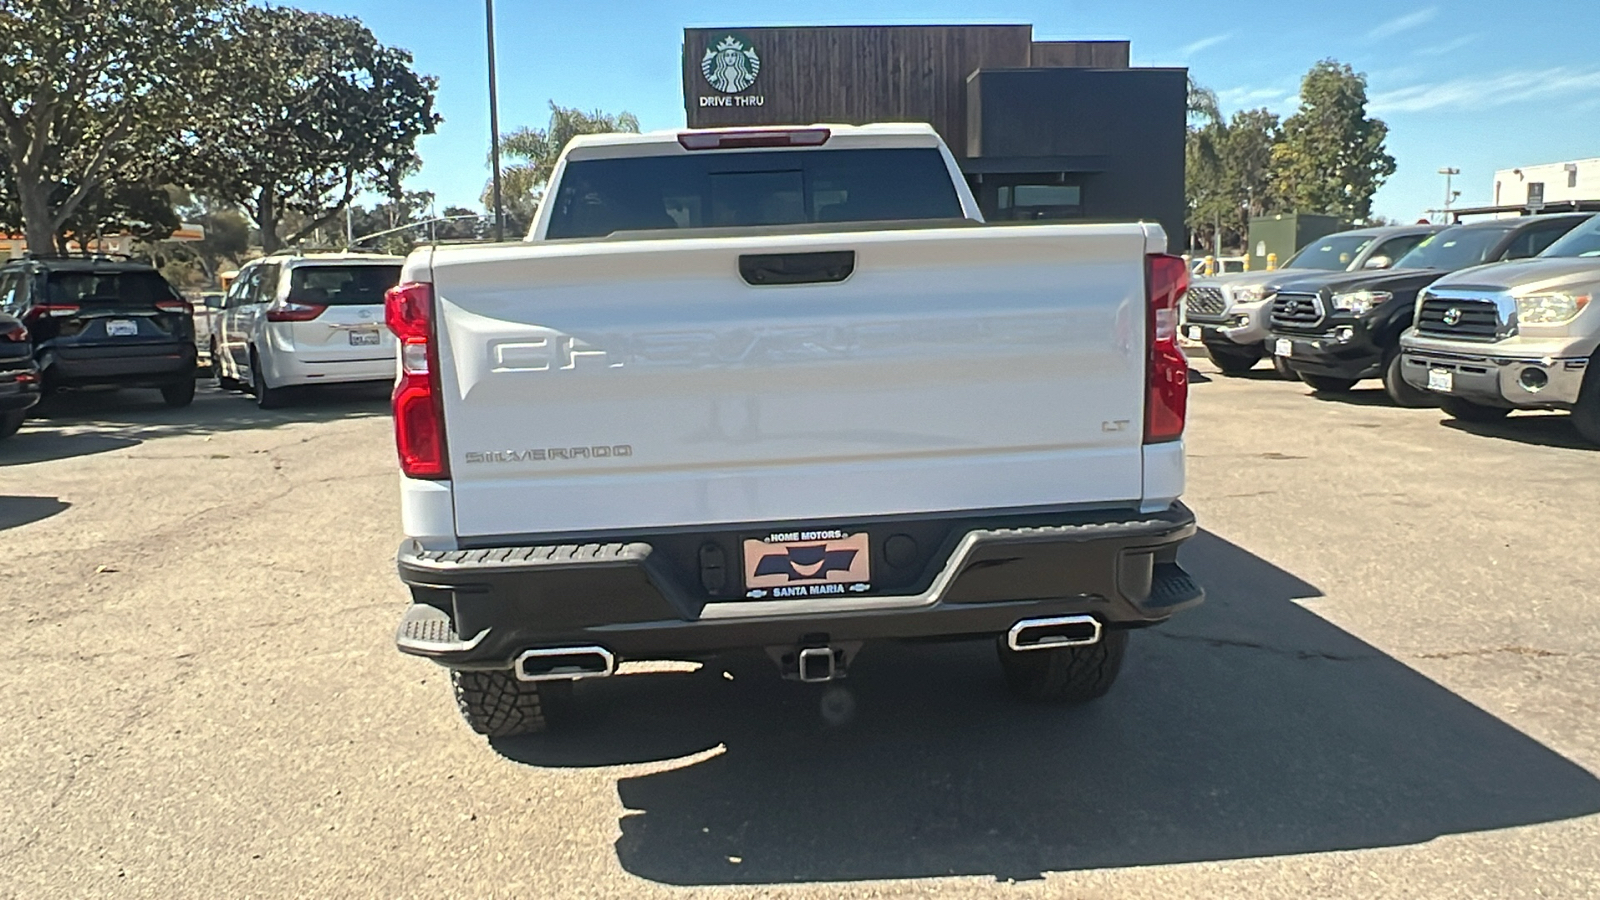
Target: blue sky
x=1468 y=83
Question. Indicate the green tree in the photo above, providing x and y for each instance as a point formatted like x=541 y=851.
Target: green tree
x=317 y=111
x=1331 y=158
x=1230 y=175
x=533 y=153
x=97 y=96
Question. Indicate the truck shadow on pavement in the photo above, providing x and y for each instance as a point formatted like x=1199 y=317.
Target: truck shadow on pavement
x=85 y=423
x=16 y=511
x=1540 y=430
x=1248 y=727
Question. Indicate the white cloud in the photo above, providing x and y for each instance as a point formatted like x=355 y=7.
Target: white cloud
x=1447 y=46
x=1203 y=44
x=1253 y=97
x=1476 y=93
x=1404 y=23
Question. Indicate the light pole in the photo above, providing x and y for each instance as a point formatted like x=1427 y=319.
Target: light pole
x=494 y=129
x=1449 y=195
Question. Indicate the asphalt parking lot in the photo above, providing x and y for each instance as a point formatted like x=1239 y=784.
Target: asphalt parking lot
x=1392 y=691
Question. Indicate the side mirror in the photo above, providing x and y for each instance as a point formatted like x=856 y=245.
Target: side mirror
x=1378 y=262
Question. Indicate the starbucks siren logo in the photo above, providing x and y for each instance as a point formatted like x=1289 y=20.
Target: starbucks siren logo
x=730 y=65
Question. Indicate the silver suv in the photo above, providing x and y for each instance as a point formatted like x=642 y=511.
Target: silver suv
x=1517 y=335
x=1229 y=313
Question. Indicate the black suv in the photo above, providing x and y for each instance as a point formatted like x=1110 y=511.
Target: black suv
x=98 y=322
x=19 y=375
x=1333 y=330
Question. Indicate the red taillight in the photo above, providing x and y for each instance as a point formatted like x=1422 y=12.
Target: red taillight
x=49 y=310
x=175 y=306
x=1167 y=400
x=290 y=311
x=418 y=401
x=741 y=138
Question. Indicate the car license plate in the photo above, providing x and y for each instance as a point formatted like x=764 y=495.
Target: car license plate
x=1283 y=347
x=1442 y=380
x=1194 y=332
x=795 y=564
x=121 y=328
x=365 y=338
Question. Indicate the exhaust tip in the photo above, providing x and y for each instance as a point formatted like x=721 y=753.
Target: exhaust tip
x=1062 y=631
x=565 y=664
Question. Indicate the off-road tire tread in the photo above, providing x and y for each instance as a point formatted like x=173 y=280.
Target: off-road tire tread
x=179 y=394
x=1234 y=362
x=1324 y=384
x=1399 y=390
x=11 y=421
x=1065 y=675
x=496 y=704
x=1586 y=412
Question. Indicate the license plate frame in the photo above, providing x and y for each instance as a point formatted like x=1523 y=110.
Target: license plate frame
x=1283 y=347
x=122 y=328
x=806 y=564
x=1441 y=381
x=366 y=337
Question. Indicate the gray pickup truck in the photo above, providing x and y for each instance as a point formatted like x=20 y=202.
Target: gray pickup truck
x=1228 y=313
x=1518 y=335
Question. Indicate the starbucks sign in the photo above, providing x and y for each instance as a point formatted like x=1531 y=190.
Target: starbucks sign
x=730 y=66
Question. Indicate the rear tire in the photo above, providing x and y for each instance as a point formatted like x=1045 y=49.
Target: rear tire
x=179 y=394
x=10 y=422
x=1234 y=361
x=497 y=704
x=1400 y=390
x=267 y=397
x=1467 y=411
x=1324 y=384
x=1066 y=674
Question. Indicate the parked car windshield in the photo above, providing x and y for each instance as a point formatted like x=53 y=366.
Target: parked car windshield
x=1453 y=248
x=598 y=197
x=360 y=285
x=108 y=288
x=1334 y=253
x=1581 y=241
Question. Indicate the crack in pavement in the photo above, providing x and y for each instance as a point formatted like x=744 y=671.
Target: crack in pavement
x=1279 y=651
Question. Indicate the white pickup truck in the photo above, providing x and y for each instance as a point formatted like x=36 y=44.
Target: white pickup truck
x=782 y=389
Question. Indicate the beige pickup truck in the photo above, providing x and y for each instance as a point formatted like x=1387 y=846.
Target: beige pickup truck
x=1517 y=335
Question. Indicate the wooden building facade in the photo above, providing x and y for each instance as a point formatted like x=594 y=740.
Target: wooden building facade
x=1043 y=129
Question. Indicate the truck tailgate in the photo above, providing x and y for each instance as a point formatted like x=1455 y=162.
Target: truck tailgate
x=638 y=384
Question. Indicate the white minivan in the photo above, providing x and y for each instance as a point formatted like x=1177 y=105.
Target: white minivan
x=291 y=321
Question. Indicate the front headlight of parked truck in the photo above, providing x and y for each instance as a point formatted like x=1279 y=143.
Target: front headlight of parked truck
x=1550 y=309
x=1247 y=294
x=1359 y=303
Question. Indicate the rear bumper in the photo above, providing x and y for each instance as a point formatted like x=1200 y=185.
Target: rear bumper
x=132 y=365
x=482 y=608
x=19 y=386
x=286 y=369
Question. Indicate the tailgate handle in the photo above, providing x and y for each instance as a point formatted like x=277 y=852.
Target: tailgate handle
x=830 y=267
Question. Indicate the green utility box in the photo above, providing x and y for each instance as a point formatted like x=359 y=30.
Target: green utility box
x=1284 y=234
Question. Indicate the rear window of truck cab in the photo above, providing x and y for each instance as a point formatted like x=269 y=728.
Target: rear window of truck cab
x=598 y=197
x=352 y=285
